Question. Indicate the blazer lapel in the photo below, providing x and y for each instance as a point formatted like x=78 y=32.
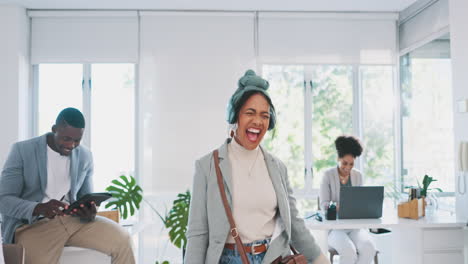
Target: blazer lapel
x=225 y=167
x=280 y=190
x=41 y=154
x=336 y=184
x=354 y=179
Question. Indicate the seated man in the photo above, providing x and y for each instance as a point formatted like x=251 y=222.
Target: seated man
x=40 y=177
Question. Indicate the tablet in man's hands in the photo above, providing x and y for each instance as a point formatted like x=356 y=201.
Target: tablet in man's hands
x=97 y=198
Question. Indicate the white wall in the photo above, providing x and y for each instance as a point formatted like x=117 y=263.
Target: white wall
x=432 y=22
x=14 y=73
x=459 y=42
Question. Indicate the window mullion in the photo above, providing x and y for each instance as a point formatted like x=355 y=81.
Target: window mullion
x=308 y=157
x=86 y=85
x=398 y=122
x=34 y=111
x=357 y=109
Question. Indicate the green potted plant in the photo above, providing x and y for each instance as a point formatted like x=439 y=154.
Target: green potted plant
x=427 y=180
x=127 y=197
x=430 y=199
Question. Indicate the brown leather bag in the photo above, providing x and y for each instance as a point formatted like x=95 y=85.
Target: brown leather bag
x=296 y=258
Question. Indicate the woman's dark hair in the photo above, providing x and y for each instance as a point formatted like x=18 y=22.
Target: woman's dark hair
x=348 y=145
x=245 y=97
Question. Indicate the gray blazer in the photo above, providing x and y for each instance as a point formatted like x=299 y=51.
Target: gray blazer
x=24 y=179
x=330 y=186
x=208 y=226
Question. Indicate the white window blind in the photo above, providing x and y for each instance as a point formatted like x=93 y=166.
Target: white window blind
x=191 y=62
x=424 y=26
x=81 y=37
x=327 y=38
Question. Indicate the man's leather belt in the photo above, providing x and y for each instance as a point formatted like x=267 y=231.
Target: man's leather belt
x=253 y=249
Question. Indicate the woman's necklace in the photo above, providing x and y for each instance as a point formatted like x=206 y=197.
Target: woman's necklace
x=343 y=179
x=236 y=154
x=253 y=164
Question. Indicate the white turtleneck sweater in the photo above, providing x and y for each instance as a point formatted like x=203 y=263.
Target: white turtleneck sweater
x=254 y=203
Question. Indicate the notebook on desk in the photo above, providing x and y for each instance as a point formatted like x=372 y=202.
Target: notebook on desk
x=361 y=202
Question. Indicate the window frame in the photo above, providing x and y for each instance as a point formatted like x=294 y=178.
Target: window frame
x=87 y=111
x=404 y=70
x=310 y=191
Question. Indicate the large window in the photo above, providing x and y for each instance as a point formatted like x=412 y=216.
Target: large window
x=105 y=93
x=426 y=115
x=316 y=104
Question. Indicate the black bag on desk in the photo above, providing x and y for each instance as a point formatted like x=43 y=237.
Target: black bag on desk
x=330 y=214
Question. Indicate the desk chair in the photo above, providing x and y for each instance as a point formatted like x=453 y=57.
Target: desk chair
x=333 y=251
x=14 y=254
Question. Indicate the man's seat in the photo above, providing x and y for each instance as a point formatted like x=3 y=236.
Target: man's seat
x=14 y=254
x=76 y=255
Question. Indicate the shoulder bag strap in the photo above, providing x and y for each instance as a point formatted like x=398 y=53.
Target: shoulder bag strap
x=234 y=233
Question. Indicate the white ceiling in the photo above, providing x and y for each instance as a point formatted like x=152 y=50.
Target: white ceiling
x=228 y=5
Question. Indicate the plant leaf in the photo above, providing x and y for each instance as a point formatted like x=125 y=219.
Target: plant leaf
x=177 y=220
x=116 y=182
x=127 y=195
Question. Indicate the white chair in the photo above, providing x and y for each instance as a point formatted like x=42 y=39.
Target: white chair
x=76 y=255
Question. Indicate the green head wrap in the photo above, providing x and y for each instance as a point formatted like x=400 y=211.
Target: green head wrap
x=249 y=85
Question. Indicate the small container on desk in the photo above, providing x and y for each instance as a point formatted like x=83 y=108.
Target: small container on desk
x=330 y=213
x=413 y=209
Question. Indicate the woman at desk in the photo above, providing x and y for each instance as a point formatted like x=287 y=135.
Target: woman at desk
x=353 y=245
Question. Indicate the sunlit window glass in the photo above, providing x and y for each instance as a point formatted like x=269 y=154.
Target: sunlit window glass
x=112 y=122
x=59 y=87
x=286 y=141
x=332 y=114
x=377 y=123
x=427 y=115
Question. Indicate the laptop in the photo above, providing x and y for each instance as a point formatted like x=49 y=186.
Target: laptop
x=358 y=202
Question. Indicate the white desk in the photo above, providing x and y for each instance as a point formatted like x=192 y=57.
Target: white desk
x=436 y=239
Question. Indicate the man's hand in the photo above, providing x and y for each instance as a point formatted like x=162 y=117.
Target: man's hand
x=50 y=209
x=86 y=213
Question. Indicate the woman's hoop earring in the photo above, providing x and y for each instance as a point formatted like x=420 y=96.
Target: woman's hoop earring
x=232 y=130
